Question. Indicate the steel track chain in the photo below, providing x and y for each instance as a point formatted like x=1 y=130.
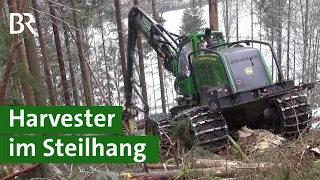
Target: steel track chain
x=209 y=128
x=295 y=114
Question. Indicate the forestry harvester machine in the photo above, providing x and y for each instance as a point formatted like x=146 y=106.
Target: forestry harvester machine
x=222 y=87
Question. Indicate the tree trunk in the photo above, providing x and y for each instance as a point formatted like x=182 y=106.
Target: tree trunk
x=6 y=76
x=85 y=43
x=141 y=61
x=272 y=41
x=59 y=54
x=26 y=88
x=154 y=91
x=237 y=20
x=315 y=74
x=279 y=37
x=213 y=15
x=294 y=48
x=34 y=65
x=121 y=40
x=1 y=7
x=260 y=26
x=4 y=13
x=170 y=174
x=163 y=99
x=160 y=64
x=227 y=21
x=251 y=21
x=308 y=66
x=105 y=61
x=52 y=96
x=305 y=35
x=72 y=74
x=84 y=69
x=288 y=40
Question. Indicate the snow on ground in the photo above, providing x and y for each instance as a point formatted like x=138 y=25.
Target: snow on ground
x=316 y=116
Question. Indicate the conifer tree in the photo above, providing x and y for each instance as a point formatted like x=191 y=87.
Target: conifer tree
x=192 y=19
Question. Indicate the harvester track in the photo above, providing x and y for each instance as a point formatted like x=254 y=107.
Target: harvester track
x=209 y=129
x=295 y=115
x=157 y=124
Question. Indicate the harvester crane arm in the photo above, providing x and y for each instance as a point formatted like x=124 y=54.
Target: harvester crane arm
x=163 y=42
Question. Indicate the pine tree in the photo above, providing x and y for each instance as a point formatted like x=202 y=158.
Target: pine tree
x=192 y=19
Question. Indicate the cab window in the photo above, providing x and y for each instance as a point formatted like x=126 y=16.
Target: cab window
x=184 y=67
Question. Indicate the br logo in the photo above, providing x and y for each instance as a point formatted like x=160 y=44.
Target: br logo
x=249 y=70
x=20 y=23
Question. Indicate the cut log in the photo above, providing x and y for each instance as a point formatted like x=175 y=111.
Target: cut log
x=161 y=166
x=220 y=163
x=159 y=175
x=208 y=163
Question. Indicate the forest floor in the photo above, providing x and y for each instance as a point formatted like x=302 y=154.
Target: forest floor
x=267 y=156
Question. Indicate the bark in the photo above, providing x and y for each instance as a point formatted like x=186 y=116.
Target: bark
x=98 y=85
x=141 y=61
x=59 y=54
x=260 y=26
x=84 y=68
x=97 y=60
x=14 y=175
x=227 y=21
x=237 y=20
x=154 y=90
x=213 y=15
x=5 y=14
x=72 y=74
x=288 y=40
x=160 y=63
x=121 y=39
x=105 y=60
x=251 y=21
x=305 y=25
x=47 y=69
x=294 y=49
x=308 y=65
x=163 y=99
x=33 y=60
x=6 y=76
x=217 y=172
x=315 y=67
x=85 y=43
x=279 y=37
x=26 y=88
x=209 y=163
x=1 y=7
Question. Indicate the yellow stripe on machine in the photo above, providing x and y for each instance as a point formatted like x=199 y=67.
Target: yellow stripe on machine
x=206 y=58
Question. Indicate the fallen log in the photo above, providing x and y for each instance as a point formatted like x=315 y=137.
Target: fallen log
x=159 y=175
x=199 y=163
x=209 y=163
x=21 y=172
x=161 y=166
